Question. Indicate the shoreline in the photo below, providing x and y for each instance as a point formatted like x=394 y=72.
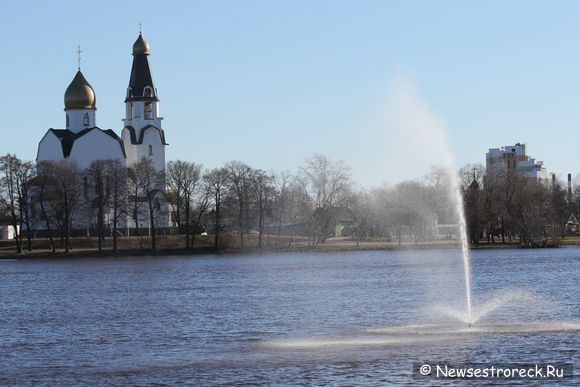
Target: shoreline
x=228 y=251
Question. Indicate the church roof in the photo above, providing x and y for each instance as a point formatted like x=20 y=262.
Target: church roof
x=68 y=138
x=79 y=94
x=141 y=73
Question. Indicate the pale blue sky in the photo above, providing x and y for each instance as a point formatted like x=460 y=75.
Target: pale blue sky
x=272 y=82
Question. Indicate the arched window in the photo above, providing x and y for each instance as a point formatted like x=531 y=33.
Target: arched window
x=86 y=119
x=147 y=92
x=150 y=150
x=148 y=110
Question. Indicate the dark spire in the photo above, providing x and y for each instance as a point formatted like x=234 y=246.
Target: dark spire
x=141 y=74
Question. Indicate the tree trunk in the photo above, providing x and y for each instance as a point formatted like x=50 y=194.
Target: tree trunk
x=241 y=218
x=100 y=215
x=260 y=228
x=136 y=220
x=45 y=217
x=152 y=225
x=66 y=222
x=28 y=237
x=115 y=229
x=217 y=226
x=187 y=221
x=502 y=230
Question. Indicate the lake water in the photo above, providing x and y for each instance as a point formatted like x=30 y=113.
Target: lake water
x=303 y=318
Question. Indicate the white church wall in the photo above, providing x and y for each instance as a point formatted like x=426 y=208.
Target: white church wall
x=152 y=142
x=49 y=148
x=130 y=149
x=96 y=145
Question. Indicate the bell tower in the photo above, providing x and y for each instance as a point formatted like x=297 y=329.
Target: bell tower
x=142 y=133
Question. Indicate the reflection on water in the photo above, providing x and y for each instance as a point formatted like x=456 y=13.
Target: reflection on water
x=416 y=334
x=341 y=318
x=512 y=298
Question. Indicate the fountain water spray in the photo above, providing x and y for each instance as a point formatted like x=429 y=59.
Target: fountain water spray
x=413 y=123
x=460 y=210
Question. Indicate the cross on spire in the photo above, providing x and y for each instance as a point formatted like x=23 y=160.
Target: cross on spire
x=139 y=28
x=79 y=56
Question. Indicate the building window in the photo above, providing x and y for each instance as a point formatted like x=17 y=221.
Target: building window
x=148 y=111
x=86 y=119
x=67 y=121
x=147 y=92
x=130 y=110
x=150 y=150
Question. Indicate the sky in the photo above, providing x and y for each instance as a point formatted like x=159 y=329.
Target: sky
x=273 y=82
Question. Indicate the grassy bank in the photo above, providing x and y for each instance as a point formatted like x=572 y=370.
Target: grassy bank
x=230 y=244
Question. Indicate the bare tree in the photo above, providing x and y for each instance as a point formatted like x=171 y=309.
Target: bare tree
x=25 y=176
x=300 y=207
x=44 y=191
x=133 y=190
x=116 y=175
x=530 y=212
x=506 y=186
x=70 y=181
x=470 y=173
x=175 y=192
x=216 y=181
x=559 y=210
x=239 y=177
x=263 y=191
x=98 y=195
x=10 y=190
x=330 y=185
x=64 y=185
x=202 y=201
x=472 y=179
x=183 y=179
x=282 y=182
x=474 y=211
x=149 y=183
x=439 y=200
x=364 y=216
x=9 y=193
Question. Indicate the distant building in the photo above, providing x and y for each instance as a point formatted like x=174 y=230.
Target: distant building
x=572 y=225
x=513 y=158
x=7 y=232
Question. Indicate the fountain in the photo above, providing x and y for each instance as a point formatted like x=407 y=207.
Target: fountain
x=428 y=135
x=459 y=208
x=414 y=116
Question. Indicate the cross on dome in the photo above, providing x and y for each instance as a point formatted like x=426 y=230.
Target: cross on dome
x=79 y=51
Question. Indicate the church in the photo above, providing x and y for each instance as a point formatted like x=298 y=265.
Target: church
x=83 y=141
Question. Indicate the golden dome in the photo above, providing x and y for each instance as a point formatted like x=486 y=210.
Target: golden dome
x=140 y=47
x=79 y=94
